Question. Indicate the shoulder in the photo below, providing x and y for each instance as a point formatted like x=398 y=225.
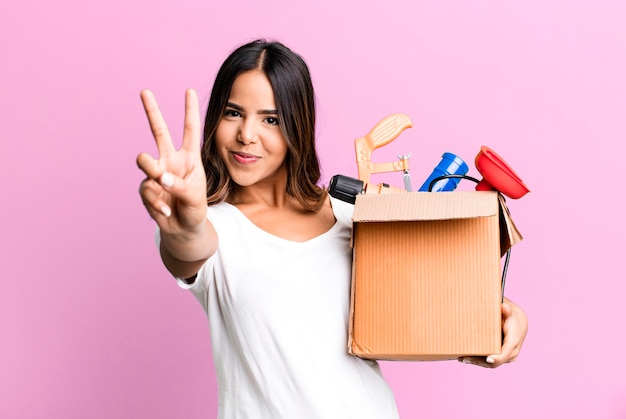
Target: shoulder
x=220 y=209
x=342 y=210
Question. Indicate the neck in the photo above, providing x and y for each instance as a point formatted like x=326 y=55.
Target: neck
x=273 y=195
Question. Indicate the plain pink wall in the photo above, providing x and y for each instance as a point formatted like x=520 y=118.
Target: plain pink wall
x=92 y=326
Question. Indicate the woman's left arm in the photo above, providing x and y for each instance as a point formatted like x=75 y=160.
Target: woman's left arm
x=514 y=328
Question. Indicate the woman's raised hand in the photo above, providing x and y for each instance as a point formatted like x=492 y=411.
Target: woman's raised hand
x=174 y=191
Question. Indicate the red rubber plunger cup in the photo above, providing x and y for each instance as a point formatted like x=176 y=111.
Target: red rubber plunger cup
x=497 y=175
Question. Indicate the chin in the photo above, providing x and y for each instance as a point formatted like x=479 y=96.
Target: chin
x=244 y=181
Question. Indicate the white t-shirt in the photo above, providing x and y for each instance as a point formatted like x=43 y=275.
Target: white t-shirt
x=278 y=316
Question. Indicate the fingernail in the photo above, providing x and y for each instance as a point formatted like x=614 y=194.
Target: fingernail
x=490 y=360
x=165 y=210
x=167 y=180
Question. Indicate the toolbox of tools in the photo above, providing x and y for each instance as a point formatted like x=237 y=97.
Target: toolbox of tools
x=429 y=266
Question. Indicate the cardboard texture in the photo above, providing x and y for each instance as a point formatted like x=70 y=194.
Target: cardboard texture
x=426 y=274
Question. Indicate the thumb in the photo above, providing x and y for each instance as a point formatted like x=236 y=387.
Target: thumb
x=179 y=188
x=149 y=166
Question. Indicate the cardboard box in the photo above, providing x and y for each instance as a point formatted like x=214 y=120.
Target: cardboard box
x=427 y=281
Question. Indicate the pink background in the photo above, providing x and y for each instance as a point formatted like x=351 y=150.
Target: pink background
x=92 y=326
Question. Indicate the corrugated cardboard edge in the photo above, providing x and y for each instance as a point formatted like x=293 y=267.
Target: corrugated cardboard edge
x=351 y=314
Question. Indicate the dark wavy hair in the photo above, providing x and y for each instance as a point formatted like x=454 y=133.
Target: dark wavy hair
x=295 y=102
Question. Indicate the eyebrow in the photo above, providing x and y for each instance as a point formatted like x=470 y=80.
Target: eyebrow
x=261 y=112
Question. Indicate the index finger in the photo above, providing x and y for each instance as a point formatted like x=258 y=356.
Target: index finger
x=158 y=126
x=191 y=131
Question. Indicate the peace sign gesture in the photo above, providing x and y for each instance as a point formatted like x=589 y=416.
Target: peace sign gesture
x=174 y=191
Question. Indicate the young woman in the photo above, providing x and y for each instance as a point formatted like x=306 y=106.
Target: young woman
x=269 y=257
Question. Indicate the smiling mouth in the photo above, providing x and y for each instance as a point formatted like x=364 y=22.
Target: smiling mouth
x=244 y=158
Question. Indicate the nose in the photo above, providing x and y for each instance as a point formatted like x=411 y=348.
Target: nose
x=247 y=133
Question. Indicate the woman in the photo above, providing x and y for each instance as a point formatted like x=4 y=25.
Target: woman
x=269 y=258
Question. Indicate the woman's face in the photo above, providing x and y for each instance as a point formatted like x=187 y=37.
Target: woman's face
x=248 y=137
